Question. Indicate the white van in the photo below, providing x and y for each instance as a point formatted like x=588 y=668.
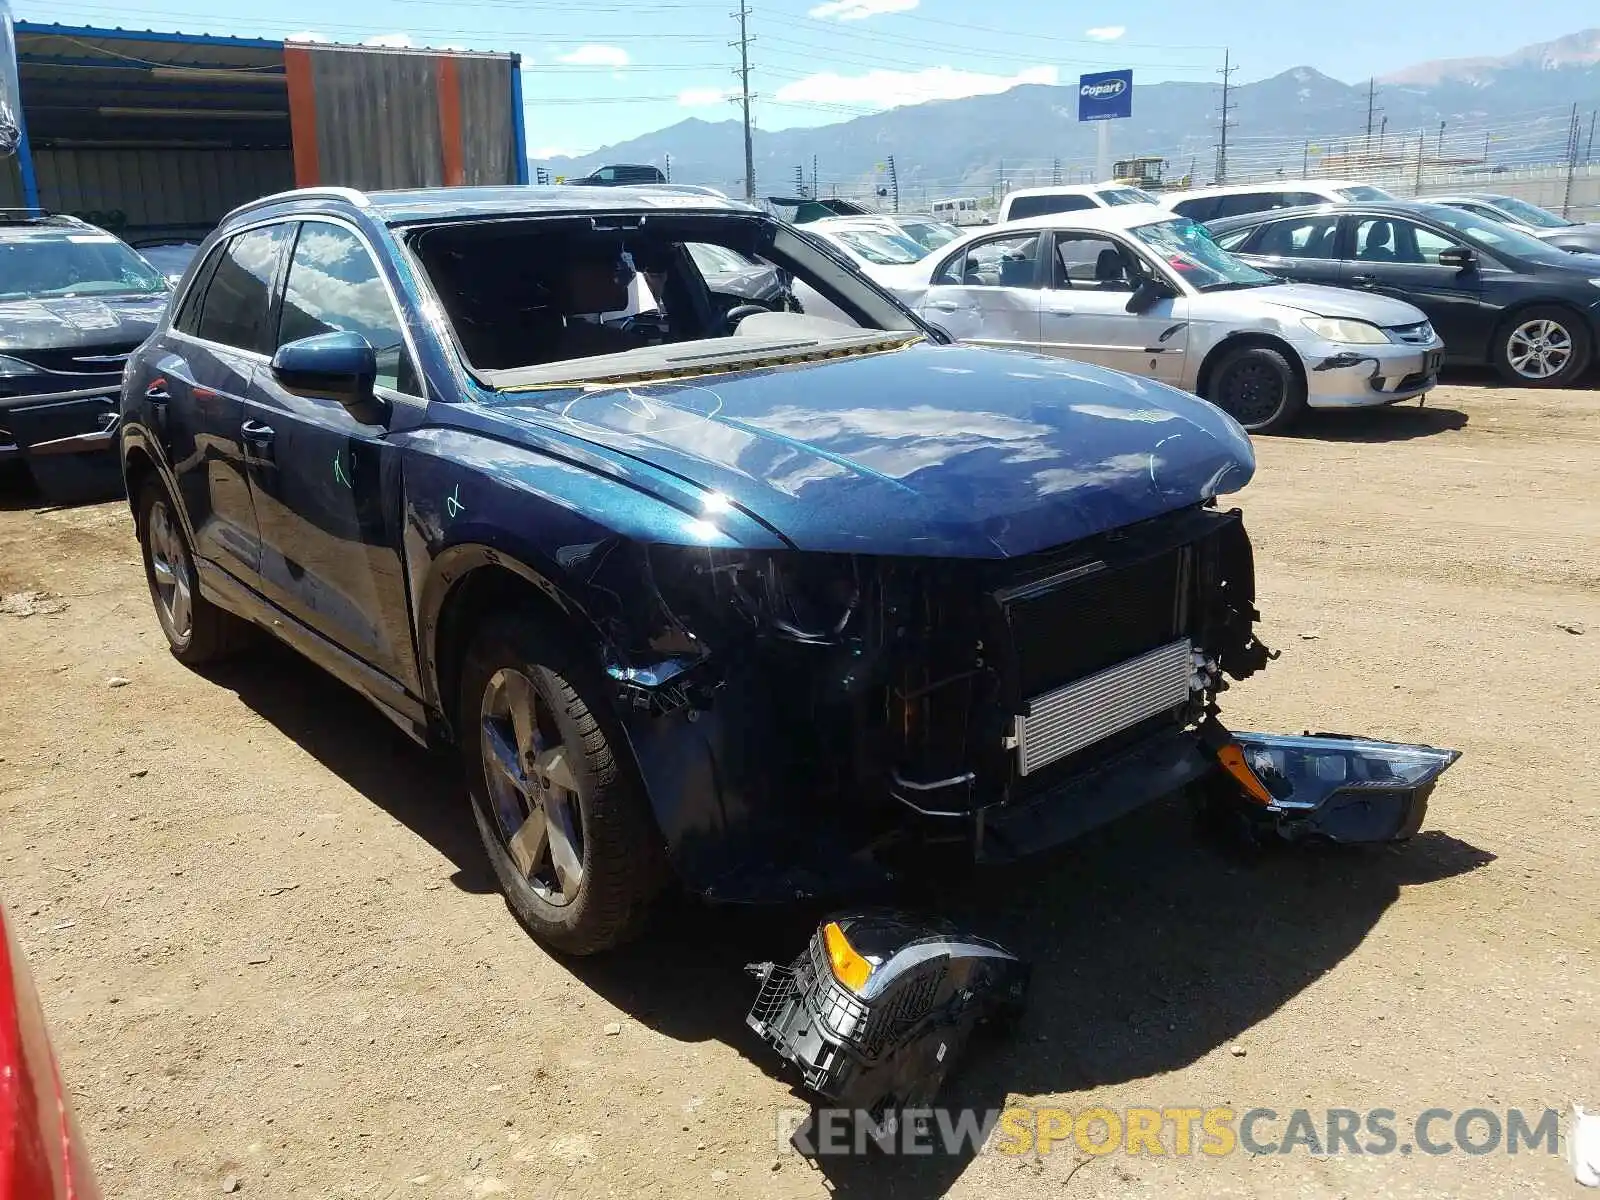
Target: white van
x=1208 y=204
x=964 y=211
x=1071 y=197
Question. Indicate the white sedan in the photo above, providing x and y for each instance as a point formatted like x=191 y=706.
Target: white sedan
x=1146 y=291
x=882 y=245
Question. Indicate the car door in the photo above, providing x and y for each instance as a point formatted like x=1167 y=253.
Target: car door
x=196 y=389
x=326 y=485
x=1084 y=310
x=1304 y=249
x=1400 y=258
x=988 y=292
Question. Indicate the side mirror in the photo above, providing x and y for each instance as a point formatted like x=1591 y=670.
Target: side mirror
x=333 y=366
x=1149 y=292
x=1458 y=257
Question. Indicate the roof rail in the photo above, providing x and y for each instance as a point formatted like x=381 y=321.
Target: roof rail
x=352 y=195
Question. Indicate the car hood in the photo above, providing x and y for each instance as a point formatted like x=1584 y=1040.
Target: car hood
x=1317 y=301
x=928 y=450
x=72 y=322
x=1586 y=235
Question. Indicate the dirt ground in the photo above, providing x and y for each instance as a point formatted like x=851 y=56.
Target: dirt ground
x=270 y=949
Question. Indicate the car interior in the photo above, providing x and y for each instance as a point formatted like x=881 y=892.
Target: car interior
x=526 y=293
x=1092 y=264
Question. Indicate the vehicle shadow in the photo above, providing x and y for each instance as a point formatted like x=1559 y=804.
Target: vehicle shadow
x=1151 y=948
x=1399 y=423
x=352 y=739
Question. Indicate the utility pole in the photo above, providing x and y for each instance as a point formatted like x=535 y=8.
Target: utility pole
x=814 y=191
x=1372 y=94
x=1572 y=159
x=1588 y=155
x=669 y=168
x=799 y=181
x=1421 y=144
x=1305 y=160
x=1441 y=141
x=743 y=43
x=1055 y=170
x=1227 y=88
x=894 y=183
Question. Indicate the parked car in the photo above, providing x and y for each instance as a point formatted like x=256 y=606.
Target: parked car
x=42 y=1152
x=1072 y=197
x=926 y=232
x=1148 y=292
x=871 y=244
x=621 y=175
x=74 y=302
x=1580 y=236
x=1495 y=295
x=1208 y=204
x=961 y=210
x=813 y=208
x=770 y=604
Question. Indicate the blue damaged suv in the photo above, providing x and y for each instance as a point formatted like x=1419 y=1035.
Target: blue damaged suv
x=768 y=599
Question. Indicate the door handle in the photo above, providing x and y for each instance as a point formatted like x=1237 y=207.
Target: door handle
x=257 y=434
x=157 y=392
x=1055 y=312
x=1364 y=280
x=943 y=305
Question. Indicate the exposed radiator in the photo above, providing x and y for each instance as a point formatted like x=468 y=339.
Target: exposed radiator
x=1066 y=720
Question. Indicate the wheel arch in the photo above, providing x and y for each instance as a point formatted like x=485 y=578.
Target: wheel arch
x=469 y=581
x=1246 y=340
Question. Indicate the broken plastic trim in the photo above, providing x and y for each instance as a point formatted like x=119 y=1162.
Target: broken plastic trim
x=890 y=1044
x=1340 y=787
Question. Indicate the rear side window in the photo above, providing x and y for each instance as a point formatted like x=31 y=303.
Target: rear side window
x=1039 y=206
x=188 y=318
x=1299 y=200
x=1245 y=202
x=238 y=300
x=1007 y=261
x=1303 y=237
x=1201 y=208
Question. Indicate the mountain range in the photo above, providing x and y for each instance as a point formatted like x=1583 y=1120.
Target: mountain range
x=968 y=143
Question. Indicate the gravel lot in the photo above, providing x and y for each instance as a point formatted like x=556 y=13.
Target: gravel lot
x=270 y=949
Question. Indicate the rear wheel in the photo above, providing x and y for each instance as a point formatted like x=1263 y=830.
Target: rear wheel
x=1542 y=346
x=567 y=829
x=197 y=631
x=1257 y=387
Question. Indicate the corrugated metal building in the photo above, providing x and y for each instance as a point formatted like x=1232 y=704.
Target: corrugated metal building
x=160 y=134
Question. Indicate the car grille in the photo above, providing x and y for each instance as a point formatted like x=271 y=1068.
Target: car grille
x=1418 y=334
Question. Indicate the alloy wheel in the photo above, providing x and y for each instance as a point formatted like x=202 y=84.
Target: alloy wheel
x=169 y=567
x=532 y=782
x=1539 y=349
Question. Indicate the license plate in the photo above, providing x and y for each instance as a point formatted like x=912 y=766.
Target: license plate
x=1432 y=361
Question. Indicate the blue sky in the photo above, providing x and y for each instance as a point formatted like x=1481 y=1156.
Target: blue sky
x=597 y=73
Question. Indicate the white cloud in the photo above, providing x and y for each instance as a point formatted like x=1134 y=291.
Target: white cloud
x=702 y=97
x=859 y=10
x=1105 y=33
x=393 y=41
x=546 y=153
x=596 y=56
x=305 y=35
x=889 y=89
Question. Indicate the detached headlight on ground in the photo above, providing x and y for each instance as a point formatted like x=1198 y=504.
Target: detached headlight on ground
x=1354 y=333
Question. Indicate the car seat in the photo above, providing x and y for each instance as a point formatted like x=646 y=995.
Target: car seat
x=1379 y=243
x=1111 y=270
x=1016 y=272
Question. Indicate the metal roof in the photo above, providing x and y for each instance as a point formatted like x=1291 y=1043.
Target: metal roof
x=423 y=204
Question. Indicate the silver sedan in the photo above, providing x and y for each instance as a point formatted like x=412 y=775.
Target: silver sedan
x=1141 y=290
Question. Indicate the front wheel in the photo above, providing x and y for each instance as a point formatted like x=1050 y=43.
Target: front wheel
x=197 y=631
x=1257 y=387
x=567 y=829
x=1542 y=346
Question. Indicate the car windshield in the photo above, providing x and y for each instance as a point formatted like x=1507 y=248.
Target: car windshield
x=930 y=235
x=1492 y=235
x=55 y=262
x=1126 y=195
x=555 y=301
x=1189 y=250
x=1364 y=193
x=1530 y=214
x=882 y=249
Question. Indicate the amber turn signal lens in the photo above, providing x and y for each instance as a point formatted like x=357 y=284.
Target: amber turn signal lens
x=849 y=968
x=1232 y=760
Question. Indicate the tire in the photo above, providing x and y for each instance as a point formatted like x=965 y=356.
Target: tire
x=1542 y=346
x=1258 y=387
x=566 y=825
x=197 y=631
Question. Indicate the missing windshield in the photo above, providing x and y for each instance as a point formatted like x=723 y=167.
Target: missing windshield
x=540 y=301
